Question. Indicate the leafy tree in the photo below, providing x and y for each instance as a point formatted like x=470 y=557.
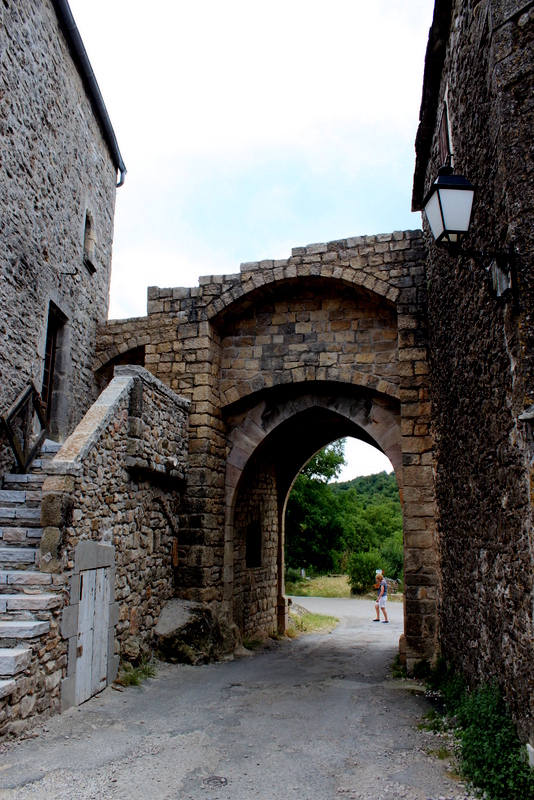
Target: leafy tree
x=328 y=523
x=314 y=522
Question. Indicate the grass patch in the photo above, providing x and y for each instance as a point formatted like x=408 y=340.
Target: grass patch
x=323 y=586
x=432 y=721
x=441 y=752
x=398 y=670
x=309 y=623
x=251 y=643
x=134 y=676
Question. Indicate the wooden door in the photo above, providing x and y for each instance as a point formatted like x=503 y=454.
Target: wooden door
x=92 y=642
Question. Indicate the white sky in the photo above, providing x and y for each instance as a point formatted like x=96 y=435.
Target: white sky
x=249 y=128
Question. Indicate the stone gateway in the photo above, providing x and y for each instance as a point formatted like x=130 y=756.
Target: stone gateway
x=153 y=514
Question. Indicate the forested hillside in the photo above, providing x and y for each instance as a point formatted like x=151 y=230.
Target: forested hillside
x=353 y=526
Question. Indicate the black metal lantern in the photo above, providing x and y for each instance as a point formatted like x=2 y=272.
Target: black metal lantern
x=448 y=205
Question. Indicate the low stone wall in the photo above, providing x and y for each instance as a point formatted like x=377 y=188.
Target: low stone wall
x=117 y=483
x=37 y=693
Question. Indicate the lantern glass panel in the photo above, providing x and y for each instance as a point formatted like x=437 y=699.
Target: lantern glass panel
x=433 y=215
x=456 y=206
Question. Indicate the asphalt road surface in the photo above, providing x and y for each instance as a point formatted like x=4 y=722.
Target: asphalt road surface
x=312 y=719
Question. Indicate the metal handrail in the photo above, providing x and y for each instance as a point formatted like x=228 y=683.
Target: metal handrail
x=23 y=409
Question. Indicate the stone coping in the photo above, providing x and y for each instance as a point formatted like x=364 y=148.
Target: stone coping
x=316 y=249
x=135 y=371
x=73 y=452
x=69 y=459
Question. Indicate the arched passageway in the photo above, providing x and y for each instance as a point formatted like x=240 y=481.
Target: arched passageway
x=296 y=424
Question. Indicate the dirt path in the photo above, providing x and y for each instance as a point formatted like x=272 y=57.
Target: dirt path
x=310 y=719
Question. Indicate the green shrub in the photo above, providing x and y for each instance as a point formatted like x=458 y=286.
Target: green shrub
x=361 y=570
x=493 y=758
x=293 y=575
x=421 y=670
x=392 y=556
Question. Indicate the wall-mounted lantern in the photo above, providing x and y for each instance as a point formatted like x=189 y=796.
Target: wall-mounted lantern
x=448 y=207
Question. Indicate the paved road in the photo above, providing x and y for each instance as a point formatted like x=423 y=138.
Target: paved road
x=311 y=719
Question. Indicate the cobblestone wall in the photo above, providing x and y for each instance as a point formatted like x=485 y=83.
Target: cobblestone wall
x=54 y=168
x=38 y=689
x=481 y=352
x=116 y=499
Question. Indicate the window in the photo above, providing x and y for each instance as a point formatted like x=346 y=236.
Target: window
x=56 y=320
x=89 y=243
x=445 y=152
x=253 y=544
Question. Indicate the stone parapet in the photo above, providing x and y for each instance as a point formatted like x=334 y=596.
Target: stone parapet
x=111 y=503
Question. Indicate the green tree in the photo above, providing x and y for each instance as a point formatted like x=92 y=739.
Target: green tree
x=314 y=520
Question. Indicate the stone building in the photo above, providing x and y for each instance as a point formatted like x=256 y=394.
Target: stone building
x=59 y=161
x=478 y=111
x=58 y=174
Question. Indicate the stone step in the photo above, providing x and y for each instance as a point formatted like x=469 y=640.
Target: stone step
x=30 y=481
x=50 y=447
x=7 y=688
x=28 y=602
x=18 y=555
x=14 y=660
x=20 y=517
x=13 y=535
x=10 y=498
x=22 y=629
x=23 y=577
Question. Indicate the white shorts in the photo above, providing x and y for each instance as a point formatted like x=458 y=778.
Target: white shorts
x=382 y=601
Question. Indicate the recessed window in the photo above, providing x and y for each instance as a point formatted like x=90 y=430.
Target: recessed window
x=89 y=243
x=56 y=321
x=253 y=544
x=445 y=151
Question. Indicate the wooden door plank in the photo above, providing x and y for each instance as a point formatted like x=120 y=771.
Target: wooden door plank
x=100 y=632
x=85 y=636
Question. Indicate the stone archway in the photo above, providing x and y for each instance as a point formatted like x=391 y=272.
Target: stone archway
x=269 y=444
x=348 y=314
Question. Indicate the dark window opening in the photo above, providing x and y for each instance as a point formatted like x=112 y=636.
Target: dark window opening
x=445 y=152
x=253 y=544
x=56 y=320
x=89 y=242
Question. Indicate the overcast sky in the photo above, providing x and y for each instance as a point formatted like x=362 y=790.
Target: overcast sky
x=249 y=128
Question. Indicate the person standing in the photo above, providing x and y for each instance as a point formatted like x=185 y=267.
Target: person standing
x=382 y=596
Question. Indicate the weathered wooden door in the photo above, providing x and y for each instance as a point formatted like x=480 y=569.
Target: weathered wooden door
x=92 y=642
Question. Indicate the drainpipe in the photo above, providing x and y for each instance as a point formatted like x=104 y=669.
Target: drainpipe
x=80 y=56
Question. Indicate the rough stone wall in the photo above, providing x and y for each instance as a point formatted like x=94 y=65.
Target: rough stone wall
x=37 y=695
x=311 y=331
x=186 y=335
x=481 y=354
x=54 y=167
x=115 y=500
x=134 y=517
x=255 y=588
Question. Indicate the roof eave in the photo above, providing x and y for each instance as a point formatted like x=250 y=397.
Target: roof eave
x=434 y=59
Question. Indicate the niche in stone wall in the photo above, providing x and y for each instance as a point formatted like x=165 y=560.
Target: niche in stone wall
x=253 y=544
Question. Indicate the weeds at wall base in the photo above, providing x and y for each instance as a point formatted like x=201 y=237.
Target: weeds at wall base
x=134 y=676
x=491 y=756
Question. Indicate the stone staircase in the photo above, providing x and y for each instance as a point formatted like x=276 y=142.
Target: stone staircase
x=26 y=595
